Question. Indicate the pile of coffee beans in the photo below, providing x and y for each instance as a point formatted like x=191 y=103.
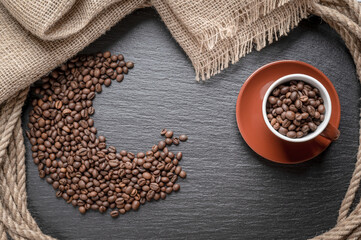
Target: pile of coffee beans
x=295 y=109
x=79 y=165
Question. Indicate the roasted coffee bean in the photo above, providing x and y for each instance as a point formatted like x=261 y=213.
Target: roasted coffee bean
x=168 y=134
x=321 y=109
x=280 y=110
x=129 y=65
x=285 y=89
x=290 y=115
x=107 y=54
x=161 y=145
x=276 y=92
x=183 y=138
x=299 y=134
x=176 y=187
x=272 y=100
x=305 y=129
x=304 y=98
x=119 y=78
x=293 y=96
x=183 y=174
x=168 y=141
x=311 y=110
x=298 y=103
x=107 y=82
x=75 y=161
x=286 y=123
x=135 y=205
x=291 y=134
x=114 y=213
x=82 y=209
x=276 y=126
x=312 y=126
x=283 y=130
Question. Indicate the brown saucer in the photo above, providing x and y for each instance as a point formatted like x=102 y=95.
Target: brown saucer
x=251 y=123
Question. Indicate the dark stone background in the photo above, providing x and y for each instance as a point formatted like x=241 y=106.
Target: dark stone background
x=230 y=192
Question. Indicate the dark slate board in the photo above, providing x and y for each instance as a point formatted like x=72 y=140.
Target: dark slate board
x=230 y=192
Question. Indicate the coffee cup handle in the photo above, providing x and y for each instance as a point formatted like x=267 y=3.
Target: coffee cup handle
x=331 y=132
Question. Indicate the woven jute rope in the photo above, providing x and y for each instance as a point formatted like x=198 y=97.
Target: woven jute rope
x=342 y=15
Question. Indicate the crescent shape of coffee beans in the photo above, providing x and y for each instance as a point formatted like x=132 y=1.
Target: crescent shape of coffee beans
x=82 y=169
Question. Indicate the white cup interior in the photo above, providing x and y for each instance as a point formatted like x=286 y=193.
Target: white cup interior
x=324 y=94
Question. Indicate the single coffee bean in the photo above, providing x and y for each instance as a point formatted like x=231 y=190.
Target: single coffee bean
x=317 y=115
x=82 y=210
x=293 y=108
x=282 y=130
x=304 y=98
x=300 y=86
x=312 y=126
x=299 y=134
x=279 y=110
x=176 y=187
x=291 y=127
x=298 y=103
x=305 y=115
x=294 y=96
x=276 y=126
x=311 y=110
x=98 y=88
x=272 y=100
x=119 y=78
x=168 y=141
x=311 y=94
x=305 y=129
x=129 y=65
x=147 y=175
x=183 y=174
x=114 y=213
x=135 y=205
x=285 y=89
x=276 y=92
x=106 y=54
x=161 y=145
x=107 y=82
x=183 y=138
x=175 y=141
x=168 y=134
x=290 y=115
x=291 y=134
x=286 y=123
x=321 y=109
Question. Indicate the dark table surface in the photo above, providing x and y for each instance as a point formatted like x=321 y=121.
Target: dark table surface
x=230 y=192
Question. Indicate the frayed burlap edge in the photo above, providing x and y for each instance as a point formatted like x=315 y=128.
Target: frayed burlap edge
x=229 y=27
x=256 y=35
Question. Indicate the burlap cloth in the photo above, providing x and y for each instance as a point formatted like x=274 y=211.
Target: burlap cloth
x=36 y=36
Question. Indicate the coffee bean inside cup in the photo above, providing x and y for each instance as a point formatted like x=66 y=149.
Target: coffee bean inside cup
x=295 y=109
